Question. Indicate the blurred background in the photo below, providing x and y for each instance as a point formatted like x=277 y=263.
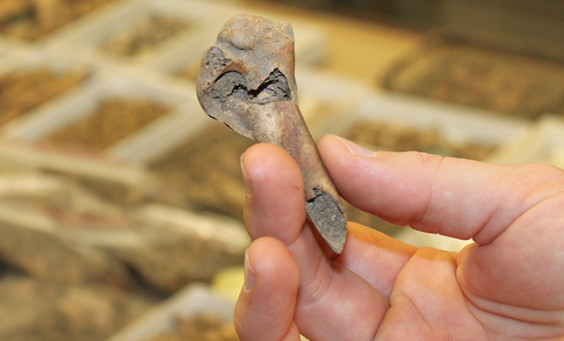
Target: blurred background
x=121 y=201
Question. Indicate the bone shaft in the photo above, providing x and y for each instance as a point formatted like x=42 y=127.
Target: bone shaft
x=293 y=135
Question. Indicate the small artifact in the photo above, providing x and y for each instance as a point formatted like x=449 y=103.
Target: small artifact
x=247 y=82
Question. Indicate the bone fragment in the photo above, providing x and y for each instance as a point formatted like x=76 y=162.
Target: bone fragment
x=247 y=82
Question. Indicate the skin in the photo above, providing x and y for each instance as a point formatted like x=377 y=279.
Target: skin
x=508 y=285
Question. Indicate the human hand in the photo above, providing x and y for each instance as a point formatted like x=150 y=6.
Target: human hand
x=509 y=285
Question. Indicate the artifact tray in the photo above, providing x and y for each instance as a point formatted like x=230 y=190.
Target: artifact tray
x=505 y=75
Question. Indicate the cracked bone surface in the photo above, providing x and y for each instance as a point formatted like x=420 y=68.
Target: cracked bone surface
x=247 y=82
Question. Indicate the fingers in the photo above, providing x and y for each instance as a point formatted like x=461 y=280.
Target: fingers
x=454 y=197
x=265 y=308
x=275 y=207
x=331 y=297
x=513 y=212
x=275 y=203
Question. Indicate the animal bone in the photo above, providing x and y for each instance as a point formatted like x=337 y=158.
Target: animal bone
x=247 y=82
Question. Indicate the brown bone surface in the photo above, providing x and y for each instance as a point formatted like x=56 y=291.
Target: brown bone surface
x=247 y=82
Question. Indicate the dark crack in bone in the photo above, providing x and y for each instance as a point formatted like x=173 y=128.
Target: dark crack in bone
x=233 y=84
x=275 y=88
x=230 y=84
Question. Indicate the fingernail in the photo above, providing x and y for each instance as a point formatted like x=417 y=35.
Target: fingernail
x=356 y=149
x=246 y=179
x=249 y=274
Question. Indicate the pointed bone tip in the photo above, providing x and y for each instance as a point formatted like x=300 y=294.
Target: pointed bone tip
x=336 y=245
x=334 y=235
x=327 y=215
